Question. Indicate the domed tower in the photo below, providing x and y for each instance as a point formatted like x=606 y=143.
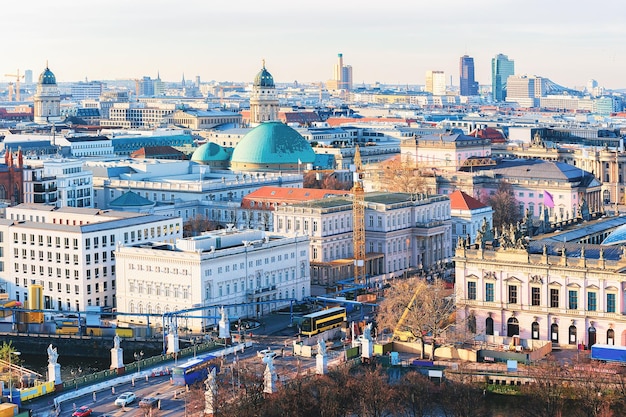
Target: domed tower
x=47 y=99
x=263 y=101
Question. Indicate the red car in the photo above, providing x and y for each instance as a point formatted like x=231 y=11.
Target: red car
x=83 y=411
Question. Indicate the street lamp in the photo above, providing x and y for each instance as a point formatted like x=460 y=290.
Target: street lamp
x=76 y=374
x=138 y=357
x=11 y=375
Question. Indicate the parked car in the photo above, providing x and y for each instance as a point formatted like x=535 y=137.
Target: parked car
x=83 y=411
x=266 y=352
x=125 y=399
x=148 y=402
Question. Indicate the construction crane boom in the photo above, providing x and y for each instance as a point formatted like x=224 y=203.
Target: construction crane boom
x=17 y=84
x=358 y=219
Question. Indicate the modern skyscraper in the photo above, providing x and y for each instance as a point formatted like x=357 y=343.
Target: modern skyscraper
x=501 y=68
x=342 y=76
x=436 y=83
x=469 y=87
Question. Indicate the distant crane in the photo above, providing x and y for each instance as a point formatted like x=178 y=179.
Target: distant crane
x=17 y=84
x=10 y=91
x=358 y=219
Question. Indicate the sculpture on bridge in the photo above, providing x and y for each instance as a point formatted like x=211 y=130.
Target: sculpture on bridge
x=116 y=342
x=52 y=355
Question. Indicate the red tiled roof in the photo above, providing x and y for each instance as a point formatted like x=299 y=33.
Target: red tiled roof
x=275 y=195
x=461 y=201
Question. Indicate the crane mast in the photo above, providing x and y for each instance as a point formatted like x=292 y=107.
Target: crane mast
x=358 y=219
x=17 y=84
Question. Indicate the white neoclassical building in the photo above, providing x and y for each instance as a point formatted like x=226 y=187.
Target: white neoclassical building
x=263 y=99
x=250 y=272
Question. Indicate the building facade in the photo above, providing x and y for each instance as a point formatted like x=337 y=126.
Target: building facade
x=571 y=295
x=468 y=85
x=436 y=83
x=402 y=233
x=70 y=251
x=501 y=69
x=249 y=272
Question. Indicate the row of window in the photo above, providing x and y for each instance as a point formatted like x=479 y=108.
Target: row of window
x=167 y=290
x=554 y=301
x=59 y=272
x=62 y=242
x=56 y=256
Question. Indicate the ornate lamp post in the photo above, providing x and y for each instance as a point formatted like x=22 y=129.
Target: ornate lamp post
x=11 y=375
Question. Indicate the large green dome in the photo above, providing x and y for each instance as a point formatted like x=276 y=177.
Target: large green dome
x=264 y=78
x=47 y=77
x=210 y=152
x=272 y=145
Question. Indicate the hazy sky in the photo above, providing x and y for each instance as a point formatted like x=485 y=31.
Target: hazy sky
x=387 y=41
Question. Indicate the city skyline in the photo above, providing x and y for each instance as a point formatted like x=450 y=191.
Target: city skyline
x=386 y=43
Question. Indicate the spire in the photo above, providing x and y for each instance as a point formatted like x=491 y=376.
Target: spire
x=263 y=62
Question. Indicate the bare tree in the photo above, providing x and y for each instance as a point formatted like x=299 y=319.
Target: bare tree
x=463 y=398
x=198 y=224
x=400 y=176
x=593 y=388
x=376 y=396
x=417 y=309
x=505 y=206
x=416 y=394
x=547 y=394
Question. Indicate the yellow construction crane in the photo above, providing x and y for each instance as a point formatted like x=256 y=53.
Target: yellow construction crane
x=17 y=83
x=358 y=219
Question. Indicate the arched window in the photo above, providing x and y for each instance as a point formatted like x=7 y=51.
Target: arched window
x=572 y=335
x=512 y=327
x=535 y=330
x=554 y=333
x=610 y=337
x=489 y=326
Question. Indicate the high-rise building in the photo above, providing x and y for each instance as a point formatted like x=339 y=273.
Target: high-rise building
x=342 y=76
x=87 y=90
x=501 y=68
x=28 y=76
x=436 y=83
x=469 y=87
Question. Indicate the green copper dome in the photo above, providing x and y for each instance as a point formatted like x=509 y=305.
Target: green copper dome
x=47 y=77
x=210 y=152
x=264 y=78
x=272 y=145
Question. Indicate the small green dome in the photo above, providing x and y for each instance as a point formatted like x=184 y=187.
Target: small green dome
x=264 y=78
x=210 y=152
x=273 y=143
x=47 y=77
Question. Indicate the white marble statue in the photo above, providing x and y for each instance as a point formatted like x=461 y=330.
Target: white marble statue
x=367 y=332
x=321 y=347
x=116 y=342
x=52 y=355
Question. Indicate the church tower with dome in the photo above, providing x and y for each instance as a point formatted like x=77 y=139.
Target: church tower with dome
x=263 y=100
x=47 y=99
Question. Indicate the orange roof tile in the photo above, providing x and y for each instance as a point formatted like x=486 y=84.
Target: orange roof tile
x=461 y=201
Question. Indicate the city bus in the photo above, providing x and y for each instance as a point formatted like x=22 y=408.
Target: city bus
x=323 y=320
x=194 y=370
